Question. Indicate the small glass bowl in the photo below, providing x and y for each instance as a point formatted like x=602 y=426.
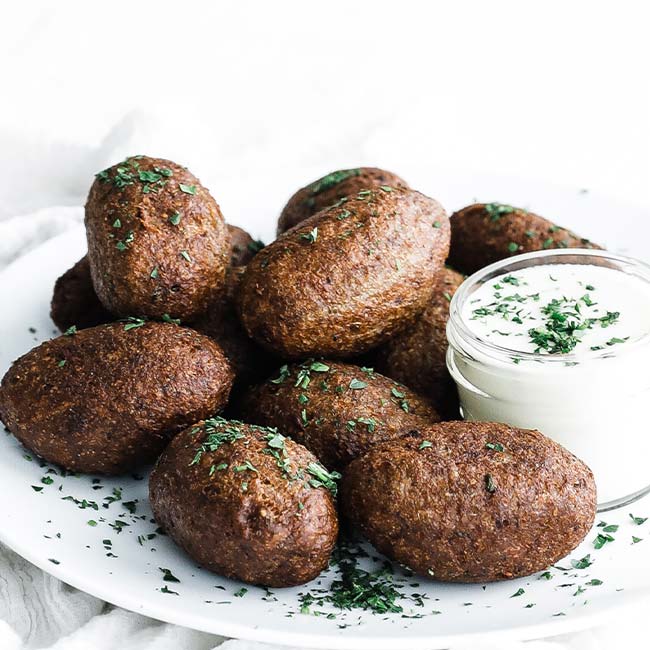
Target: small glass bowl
x=592 y=403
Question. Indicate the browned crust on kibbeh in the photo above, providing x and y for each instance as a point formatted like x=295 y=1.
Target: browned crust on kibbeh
x=417 y=356
x=336 y=410
x=155 y=247
x=484 y=233
x=329 y=189
x=106 y=400
x=74 y=301
x=257 y=525
x=249 y=361
x=243 y=247
x=460 y=509
x=348 y=278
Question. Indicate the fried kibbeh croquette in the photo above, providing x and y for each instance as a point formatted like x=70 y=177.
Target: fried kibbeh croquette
x=348 y=278
x=337 y=410
x=331 y=188
x=471 y=501
x=484 y=233
x=417 y=356
x=107 y=399
x=246 y=502
x=157 y=241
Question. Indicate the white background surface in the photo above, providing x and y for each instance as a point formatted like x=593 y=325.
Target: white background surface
x=260 y=97
x=251 y=93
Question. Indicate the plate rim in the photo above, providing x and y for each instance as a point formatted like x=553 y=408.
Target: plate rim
x=555 y=627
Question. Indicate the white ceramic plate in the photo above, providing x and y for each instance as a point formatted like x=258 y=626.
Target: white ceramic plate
x=97 y=534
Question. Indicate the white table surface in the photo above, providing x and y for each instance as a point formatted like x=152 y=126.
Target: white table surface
x=262 y=97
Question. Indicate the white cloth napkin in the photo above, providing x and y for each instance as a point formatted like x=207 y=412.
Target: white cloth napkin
x=37 y=610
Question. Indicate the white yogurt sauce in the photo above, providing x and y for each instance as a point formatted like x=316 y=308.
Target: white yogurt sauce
x=560 y=308
x=563 y=348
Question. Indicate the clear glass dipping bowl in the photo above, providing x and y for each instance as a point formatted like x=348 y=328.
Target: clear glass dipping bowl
x=594 y=403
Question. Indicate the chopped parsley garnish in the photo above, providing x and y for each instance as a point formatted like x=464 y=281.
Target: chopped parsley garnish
x=311 y=236
x=256 y=246
x=323 y=478
x=609 y=319
x=564 y=326
x=317 y=366
x=246 y=466
x=275 y=447
x=132 y=323
x=587 y=300
x=123 y=175
x=168 y=576
x=511 y=279
x=555 y=326
x=148 y=176
x=602 y=539
x=356 y=588
x=370 y=423
x=187 y=189
x=219 y=432
x=303 y=378
x=123 y=245
x=175 y=218
x=331 y=180
x=583 y=563
x=168 y=319
x=357 y=384
x=401 y=398
x=284 y=374
x=497 y=210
